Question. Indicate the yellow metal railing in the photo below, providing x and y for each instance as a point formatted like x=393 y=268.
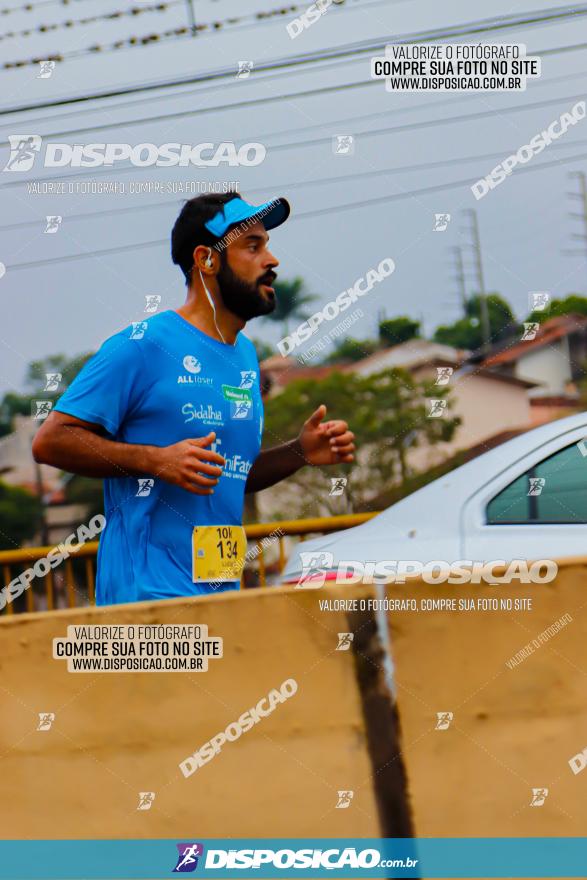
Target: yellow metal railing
x=75 y=576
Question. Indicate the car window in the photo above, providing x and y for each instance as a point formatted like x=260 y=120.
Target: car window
x=552 y=491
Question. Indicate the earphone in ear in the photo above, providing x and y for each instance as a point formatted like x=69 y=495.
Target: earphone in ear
x=208 y=262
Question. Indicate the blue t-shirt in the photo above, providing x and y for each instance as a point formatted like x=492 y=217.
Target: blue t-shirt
x=157 y=382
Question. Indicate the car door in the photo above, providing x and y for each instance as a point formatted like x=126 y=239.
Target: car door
x=534 y=509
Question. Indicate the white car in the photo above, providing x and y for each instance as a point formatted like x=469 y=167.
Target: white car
x=525 y=499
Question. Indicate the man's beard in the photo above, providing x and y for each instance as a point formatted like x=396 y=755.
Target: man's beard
x=243 y=298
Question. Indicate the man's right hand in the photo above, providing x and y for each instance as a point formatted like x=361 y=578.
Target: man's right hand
x=189 y=464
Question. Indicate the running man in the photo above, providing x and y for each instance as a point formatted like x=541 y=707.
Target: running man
x=169 y=413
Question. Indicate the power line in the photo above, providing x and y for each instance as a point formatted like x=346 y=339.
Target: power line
x=378 y=200
x=134 y=11
x=28 y=7
x=412 y=126
x=221 y=73
x=292 y=185
x=493 y=24
x=235 y=22
x=456 y=99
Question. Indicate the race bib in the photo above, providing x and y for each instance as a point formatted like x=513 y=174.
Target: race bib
x=218 y=553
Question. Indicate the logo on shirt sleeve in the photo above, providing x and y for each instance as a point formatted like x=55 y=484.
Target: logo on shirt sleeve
x=248 y=378
x=241 y=409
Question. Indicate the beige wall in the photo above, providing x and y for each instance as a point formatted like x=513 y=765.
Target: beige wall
x=116 y=734
x=486 y=408
x=549 y=364
x=513 y=729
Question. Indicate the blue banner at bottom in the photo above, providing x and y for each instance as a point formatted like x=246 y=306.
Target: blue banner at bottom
x=292 y=857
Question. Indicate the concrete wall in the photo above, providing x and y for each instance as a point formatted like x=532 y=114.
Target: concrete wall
x=513 y=729
x=116 y=734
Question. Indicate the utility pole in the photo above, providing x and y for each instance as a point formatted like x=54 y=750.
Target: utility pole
x=44 y=527
x=460 y=276
x=580 y=215
x=380 y=320
x=191 y=16
x=476 y=245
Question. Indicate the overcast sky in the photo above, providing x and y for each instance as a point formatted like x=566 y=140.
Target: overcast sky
x=524 y=224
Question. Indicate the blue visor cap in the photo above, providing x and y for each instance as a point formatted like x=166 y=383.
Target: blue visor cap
x=271 y=214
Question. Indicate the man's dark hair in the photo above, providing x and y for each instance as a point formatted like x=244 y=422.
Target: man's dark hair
x=189 y=230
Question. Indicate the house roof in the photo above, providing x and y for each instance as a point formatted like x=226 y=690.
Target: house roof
x=277 y=363
x=484 y=372
x=549 y=332
x=408 y=355
x=284 y=377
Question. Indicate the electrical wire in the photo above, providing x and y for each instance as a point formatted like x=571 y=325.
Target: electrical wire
x=293 y=185
x=411 y=126
x=531 y=19
x=317 y=212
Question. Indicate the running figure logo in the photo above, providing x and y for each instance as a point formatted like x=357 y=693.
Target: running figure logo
x=437 y=408
x=47 y=68
x=46 y=719
x=41 y=409
x=23 y=151
x=530 y=330
x=538 y=300
x=344 y=800
x=444 y=719
x=152 y=301
x=244 y=69
x=337 y=485
x=146 y=799
x=53 y=223
x=441 y=222
x=138 y=329
x=537 y=484
x=241 y=409
x=248 y=378
x=344 y=641
x=443 y=375
x=187 y=860
x=539 y=795
x=343 y=145
x=53 y=380
x=314 y=567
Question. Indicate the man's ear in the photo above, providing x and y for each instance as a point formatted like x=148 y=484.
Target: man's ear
x=204 y=259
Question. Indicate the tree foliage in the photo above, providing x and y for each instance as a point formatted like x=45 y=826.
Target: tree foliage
x=291 y=301
x=394 y=331
x=388 y=413
x=467 y=332
x=573 y=304
x=20 y=516
x=36 y=378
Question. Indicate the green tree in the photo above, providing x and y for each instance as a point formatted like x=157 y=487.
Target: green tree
x=263 y=349
x=393 y=331
x=388 y=413
x=35 y=382
x=20 y=516
x=54 y=363
x=573 y=304
x=291 y=299
x=467 y=332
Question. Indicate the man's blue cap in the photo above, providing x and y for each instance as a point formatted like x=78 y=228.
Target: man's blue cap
x=271 y=214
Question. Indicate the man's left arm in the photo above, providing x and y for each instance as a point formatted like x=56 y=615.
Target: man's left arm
x=319 y=443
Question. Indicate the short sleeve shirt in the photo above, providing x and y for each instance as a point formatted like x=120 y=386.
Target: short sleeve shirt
x=158 y=382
